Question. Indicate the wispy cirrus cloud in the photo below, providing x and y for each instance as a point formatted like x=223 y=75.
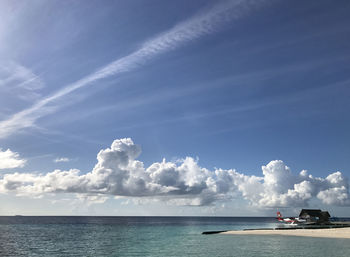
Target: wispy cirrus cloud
x=62 y=159
x=192 y=29
x=20 y=81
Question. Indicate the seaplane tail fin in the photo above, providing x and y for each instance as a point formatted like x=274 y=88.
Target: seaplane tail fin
x=279 y=216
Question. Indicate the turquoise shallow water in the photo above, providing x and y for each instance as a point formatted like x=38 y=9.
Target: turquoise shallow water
x=153 y=236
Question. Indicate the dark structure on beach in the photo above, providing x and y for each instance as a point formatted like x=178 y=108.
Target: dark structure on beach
x=315 y=216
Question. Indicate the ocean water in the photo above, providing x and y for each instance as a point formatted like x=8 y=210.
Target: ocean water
x=153 y=236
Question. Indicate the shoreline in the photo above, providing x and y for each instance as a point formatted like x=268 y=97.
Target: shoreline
x=324 y=232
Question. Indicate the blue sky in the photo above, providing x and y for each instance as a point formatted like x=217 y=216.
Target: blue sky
x=232 y=84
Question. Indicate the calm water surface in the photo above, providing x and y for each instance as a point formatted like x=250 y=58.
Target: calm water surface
x=153 y=236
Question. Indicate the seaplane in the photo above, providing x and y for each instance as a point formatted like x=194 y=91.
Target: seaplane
x=293 y=221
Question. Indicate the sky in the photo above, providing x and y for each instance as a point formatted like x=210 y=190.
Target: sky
x=206 y=108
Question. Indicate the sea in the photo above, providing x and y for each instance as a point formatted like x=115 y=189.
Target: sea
x=153 y=236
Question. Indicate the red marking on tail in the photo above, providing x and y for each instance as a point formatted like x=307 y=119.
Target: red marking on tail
x=279 y=216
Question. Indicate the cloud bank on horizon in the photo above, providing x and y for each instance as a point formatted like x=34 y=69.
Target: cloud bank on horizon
x=183 y=182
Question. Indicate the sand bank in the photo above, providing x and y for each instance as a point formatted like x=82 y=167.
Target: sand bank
x=329 y=232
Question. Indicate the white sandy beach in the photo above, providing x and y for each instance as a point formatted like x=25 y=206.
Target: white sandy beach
x=329 y=233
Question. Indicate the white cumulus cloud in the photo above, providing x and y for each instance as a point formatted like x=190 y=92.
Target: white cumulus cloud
x=10 y=160
x=118 y=173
